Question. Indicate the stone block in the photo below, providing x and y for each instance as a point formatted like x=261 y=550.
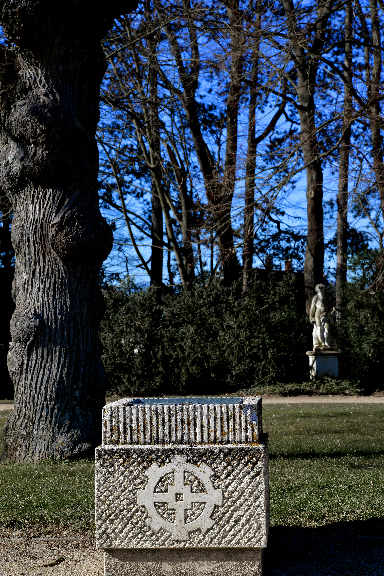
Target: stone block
x=323 y=364
x=185 y=562
x=182 y=487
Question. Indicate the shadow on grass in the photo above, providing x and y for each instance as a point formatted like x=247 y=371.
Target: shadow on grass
x=339 y=549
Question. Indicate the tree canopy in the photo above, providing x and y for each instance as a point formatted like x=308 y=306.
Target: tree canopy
x=218 y=110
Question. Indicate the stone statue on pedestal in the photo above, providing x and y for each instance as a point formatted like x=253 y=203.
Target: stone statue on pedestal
x=323 y=360
x=320 y=315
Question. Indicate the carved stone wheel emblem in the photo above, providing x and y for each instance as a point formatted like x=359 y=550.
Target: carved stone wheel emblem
x=179 y=497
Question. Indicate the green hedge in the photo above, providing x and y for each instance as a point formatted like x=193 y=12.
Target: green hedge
x=211 y=340
x=360 y=335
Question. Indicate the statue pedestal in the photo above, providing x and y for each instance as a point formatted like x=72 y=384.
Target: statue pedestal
x=323 y=362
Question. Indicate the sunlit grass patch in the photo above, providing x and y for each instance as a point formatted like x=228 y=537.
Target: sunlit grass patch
x=316 y=492
x=327 y=463
x=47 y=496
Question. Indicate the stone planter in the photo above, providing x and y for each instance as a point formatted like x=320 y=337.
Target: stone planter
x=182 y=487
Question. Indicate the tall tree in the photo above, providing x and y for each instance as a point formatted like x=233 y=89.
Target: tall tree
x=157 y=223
x=250 y=168
x=133 y=91
x=307 y=45
x=49 y=108
x=373 y=70
x=342 y=196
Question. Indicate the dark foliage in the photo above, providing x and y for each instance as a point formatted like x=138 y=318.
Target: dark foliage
x=211 y=340
x=361 y=333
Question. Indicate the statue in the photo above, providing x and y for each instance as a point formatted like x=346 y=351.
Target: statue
x=321 y=315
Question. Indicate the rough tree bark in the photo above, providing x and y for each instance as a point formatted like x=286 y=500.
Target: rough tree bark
x=49 y=92
x=7 y=306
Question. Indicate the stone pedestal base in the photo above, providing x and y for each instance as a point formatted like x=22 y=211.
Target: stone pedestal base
x=184 y=562
x=182 y=487
x=323 y=363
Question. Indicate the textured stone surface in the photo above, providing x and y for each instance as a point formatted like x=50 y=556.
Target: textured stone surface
x=188 y=421
x=239 y=487
x=323 y=364
x=182 y=487
x=223 y=562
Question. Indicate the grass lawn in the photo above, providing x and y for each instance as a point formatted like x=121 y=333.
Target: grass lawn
x=326 y=467
x=46 y=498
x=327 y=463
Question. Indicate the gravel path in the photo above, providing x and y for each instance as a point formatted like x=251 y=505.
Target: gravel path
x=325 y=551
x=49 y=556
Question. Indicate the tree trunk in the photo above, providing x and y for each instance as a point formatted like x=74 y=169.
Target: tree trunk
x=49 y=97
x=7 y=306
x=342 y=196
x=157 y=212
x=306 y=58
x=156 y=239
x=314 y=252
x=250 y=166
x=186 y=218
x=374 y=89
x=226 y=189
x=249 y=193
